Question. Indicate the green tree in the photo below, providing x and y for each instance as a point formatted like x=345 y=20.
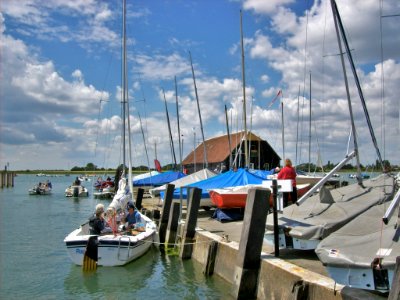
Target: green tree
x=90 y=167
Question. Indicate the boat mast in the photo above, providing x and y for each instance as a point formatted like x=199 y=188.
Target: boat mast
x=170 y=133
x=283 y=130
x=126 y=114
x=229 y=138
x=179 y=128
x=124 y=83
x=244 y=94
x=338 y=22
x=309 y=134
x=198 y=109
x=353 y=128
x=144 y=142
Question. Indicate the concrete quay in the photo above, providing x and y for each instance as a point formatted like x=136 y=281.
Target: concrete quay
x=294 y=275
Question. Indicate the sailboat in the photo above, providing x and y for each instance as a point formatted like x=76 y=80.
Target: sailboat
x=316 y=216
x=362 y=254
x=118 y=246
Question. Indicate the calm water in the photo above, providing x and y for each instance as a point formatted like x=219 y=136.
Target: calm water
x=35 y=264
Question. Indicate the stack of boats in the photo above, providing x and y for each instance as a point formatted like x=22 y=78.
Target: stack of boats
x=350 y=228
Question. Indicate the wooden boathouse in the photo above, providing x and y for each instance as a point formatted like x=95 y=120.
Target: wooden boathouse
x=223 y=152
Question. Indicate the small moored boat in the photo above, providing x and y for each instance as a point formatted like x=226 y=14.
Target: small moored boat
x=76 y=191
x=42 y=188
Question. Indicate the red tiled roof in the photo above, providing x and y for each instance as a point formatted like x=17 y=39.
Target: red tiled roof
x=218 y=148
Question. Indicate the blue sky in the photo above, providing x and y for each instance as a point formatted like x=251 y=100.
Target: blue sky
x=61 y=78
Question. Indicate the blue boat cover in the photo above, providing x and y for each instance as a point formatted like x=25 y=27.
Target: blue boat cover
x=227 y=179
x=228 y=215
x=159 y=179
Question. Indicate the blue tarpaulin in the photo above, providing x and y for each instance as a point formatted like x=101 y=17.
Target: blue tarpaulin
x=227 y=179
x=228 y=215
x=159 y=179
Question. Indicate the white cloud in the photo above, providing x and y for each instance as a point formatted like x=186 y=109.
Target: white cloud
x=264 y=7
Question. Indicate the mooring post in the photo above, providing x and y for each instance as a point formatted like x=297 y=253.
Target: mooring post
x=139 y=198
x=211 y=256
x=162 y=229
x=275 y=216
x=172 y=227
x=395 y=287
x=248 y=260
x=189 y=230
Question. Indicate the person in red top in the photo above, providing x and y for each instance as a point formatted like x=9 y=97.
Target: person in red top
x=288 y=172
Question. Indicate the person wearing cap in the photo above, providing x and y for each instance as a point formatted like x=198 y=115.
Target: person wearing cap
x=97 y=223
x=132 y=217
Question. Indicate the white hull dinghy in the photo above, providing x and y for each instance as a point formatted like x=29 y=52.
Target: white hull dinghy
x=76 y=191
x=112 y=249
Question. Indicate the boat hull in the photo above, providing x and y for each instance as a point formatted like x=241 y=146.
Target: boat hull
x=236 y=197
x=113 y=250
x=76 y=191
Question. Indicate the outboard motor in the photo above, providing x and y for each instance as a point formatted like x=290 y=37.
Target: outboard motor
x=76 y=191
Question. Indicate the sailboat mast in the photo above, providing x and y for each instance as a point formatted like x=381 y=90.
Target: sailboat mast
x=229 y=138
x=124 y=88
x=283 y=130
x=179 y=128
x=309 y=134
x=170 y=133
x=353 y=127
x=144 y=142
x=338 y=22
x=198 y=109
x=244 y=94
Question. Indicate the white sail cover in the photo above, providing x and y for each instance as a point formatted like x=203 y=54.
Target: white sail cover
x=324 y=213
x=197 y=176
x=122 y=196
x=365 y=238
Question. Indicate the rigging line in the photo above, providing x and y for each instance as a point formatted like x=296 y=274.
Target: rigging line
x=101 y=100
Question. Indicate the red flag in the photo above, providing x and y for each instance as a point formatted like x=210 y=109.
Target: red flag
x=157 y=165
x=276 y=97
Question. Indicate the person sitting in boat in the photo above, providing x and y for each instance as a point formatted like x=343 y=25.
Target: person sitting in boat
x=288 y=172
x=97 y=224
x=77 y=181
x=132 y=217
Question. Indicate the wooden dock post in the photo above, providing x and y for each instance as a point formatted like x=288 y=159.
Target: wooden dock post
x=395 y=287
x=189 y=230
x=162 y=229
x=139 y=198
x=172 y=227
x=248 y=260
x=211 y=256
x=275 y=216
x=6 y=179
